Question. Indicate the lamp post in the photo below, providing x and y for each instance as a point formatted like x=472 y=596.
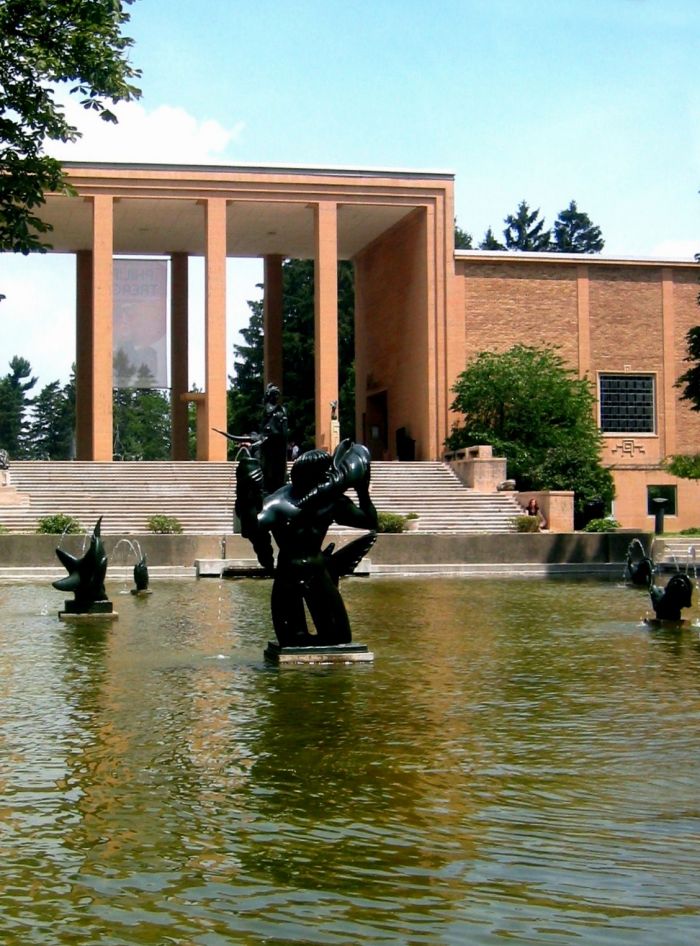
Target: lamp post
x=660 y=502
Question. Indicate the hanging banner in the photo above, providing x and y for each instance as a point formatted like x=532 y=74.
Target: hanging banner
x=140 y=320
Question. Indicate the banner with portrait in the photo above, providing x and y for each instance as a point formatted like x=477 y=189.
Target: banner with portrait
x=140 y=323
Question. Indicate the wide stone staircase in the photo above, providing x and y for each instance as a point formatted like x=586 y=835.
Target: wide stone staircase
x=201 y=496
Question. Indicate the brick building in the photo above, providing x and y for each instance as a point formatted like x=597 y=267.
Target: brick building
x=422 y=308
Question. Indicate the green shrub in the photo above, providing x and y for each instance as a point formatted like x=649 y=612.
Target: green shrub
x=4 y=530
x=602 y=525
x=391 y=522
x=59 y=524
x=164 y=525
x=526 y=523
x=693 y=530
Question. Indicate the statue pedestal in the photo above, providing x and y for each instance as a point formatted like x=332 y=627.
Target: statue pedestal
x=8 y=493
x=100 y=609
x=667 y=624
x=338 y=654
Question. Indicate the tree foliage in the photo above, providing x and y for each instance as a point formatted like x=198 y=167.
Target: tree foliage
x=141 y=424
x=687 y=466
x=525 y=230
x=490 y=242
x=247 y=385
x=45 y=44
x=14 y=405
x=575 y=233
x=689 y=381
x=463 y=240
x=52 y=425
x=535 y=412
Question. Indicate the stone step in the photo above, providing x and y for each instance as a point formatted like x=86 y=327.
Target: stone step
x=201 y=496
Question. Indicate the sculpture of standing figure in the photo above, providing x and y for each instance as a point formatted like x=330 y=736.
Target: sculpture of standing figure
x=298 y=516
x=269 y=447
x=273 y=440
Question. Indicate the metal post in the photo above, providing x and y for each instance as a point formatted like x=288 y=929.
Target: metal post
x=659 y=515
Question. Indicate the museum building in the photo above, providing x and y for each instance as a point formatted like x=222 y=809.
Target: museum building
x=422 y=309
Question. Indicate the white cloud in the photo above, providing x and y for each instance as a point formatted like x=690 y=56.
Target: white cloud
x=167 y=134
x=38 y=315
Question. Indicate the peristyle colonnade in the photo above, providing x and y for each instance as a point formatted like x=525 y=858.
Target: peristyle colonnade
x=396 y=227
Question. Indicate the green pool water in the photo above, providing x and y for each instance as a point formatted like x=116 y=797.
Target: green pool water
x=520 y=765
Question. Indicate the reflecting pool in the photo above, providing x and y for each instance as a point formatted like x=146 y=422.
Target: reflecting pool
x=521 y=764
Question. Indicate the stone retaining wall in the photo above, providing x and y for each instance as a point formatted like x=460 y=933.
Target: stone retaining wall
x=401 y=549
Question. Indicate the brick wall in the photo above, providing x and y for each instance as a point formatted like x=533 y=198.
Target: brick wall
x=633 y=325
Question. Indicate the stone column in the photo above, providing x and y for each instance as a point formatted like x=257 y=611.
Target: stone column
x=326 y=317
x=210 y=445
x=179 y=364
x=83 y=355
x=94 y=338
x=272 y=321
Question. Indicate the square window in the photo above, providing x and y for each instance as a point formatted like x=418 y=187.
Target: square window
x=661 y=492
x=627 y=404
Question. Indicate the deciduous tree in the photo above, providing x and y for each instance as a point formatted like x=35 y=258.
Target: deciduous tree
x=538 y=414
x=46 y=45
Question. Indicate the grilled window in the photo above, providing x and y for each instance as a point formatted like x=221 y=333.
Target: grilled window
x=627 y=403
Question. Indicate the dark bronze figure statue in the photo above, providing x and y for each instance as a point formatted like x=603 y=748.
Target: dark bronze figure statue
x=298 y=516
x=273 y=440
x=269 y=446
x=86 y=577
x=668 y=602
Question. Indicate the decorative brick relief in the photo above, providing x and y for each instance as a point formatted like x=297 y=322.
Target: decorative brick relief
x=628 y=448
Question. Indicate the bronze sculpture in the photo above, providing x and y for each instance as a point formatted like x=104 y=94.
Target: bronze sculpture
x=298 y=516
x=86 y=577
x=667 y=602
x=269 y=446
x=639 y=567
x=141 y=577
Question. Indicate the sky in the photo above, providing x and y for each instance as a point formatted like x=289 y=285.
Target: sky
x=549 y=101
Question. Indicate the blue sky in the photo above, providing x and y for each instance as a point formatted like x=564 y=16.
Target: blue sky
x=546 y=100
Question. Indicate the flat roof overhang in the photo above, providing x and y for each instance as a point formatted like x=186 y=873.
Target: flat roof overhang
x=526 y=258
x=158 y=209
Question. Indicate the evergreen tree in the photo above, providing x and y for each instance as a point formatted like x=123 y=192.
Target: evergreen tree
x=14 y=405
x=51 y=429
x=525 y=231
x=463 y=240
x=141 y=424
x=246 y=386
x=575 y=233
x=490 y=242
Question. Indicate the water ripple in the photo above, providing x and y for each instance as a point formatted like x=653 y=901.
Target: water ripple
x=520 y=766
